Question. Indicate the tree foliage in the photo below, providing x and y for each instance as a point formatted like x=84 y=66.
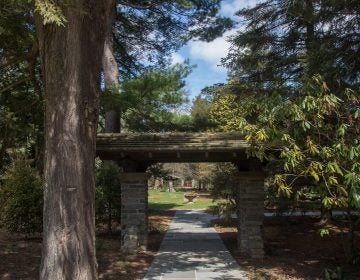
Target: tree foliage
x=293 y=91
x=108 y=193
x=21 y=97
x=144 y=34
x=315 y=134
x=156 y=101
x=148 y=31
x=151 y=101
x=21 y=198
x=200 y=114
x=283 y=40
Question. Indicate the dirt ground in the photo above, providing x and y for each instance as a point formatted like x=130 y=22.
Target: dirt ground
x=294 y=250
x=20 y=257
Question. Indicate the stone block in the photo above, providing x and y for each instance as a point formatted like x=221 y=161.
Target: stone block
x=255 y=244
x=134 y=177
x=130 y=239
x=256 y=253
x=134 y=206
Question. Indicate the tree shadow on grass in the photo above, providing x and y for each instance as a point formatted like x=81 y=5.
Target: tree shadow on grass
x=163 y=206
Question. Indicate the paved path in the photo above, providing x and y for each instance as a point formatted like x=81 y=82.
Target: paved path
x=191 y=250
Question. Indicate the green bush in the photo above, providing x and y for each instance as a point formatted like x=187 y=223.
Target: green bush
x=21 y=198
x=108 y=193
x=224 y=210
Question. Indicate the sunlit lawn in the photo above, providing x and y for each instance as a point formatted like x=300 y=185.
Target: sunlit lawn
x=175 y=200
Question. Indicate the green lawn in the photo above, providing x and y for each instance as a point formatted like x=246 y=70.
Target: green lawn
x=175 y=200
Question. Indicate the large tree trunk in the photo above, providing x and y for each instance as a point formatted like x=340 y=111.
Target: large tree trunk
x=111 y=80
x=71 y=62
x=110 y=69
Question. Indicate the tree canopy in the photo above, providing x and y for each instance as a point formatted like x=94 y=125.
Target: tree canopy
x=281 y=41
x=293 y=91
x=150 y=30
x=150 y=102
x=144 y=34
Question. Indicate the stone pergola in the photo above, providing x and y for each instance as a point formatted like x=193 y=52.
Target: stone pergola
x=136 y=151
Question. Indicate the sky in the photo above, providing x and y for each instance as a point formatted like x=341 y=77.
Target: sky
x=206 y=56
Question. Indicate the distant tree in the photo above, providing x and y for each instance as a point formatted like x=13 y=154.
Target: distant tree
x=150 y=102
x=200 y=114
x=204 y=174
x=201 y=172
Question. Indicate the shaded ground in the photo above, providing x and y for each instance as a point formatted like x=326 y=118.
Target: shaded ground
x=294 y=250
x=20 y=257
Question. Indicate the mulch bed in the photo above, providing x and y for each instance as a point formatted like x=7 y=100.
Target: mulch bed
x=20 y=257
x=294 y=249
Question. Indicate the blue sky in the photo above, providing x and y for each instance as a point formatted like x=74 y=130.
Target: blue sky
x=207 y=56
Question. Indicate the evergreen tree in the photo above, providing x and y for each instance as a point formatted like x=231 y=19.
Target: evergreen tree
x=141 y=32
x=281 y=41
x=148 y=30
x=21 y=94
x=151 y=101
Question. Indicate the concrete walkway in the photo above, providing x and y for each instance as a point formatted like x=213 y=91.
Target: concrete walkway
x=191 y=250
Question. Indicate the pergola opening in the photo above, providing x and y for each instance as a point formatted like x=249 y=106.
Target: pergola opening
x=135 y=152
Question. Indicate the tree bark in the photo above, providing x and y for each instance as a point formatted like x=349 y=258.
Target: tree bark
x=71 y=64
x=110 y=69
x=111 y=79
x=112 y=121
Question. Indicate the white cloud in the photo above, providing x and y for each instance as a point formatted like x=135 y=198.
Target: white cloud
x=211 y=52
x=228 y=8
x=176 y=58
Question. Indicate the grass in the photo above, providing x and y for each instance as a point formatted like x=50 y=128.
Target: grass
x=162 y=200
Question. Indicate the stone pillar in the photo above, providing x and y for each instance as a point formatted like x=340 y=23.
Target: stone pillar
x=134 y=217
x=250 y=213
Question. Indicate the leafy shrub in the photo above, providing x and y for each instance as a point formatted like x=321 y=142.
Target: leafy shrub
x=224 y=210
x=108 y=193
x=21 y=198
